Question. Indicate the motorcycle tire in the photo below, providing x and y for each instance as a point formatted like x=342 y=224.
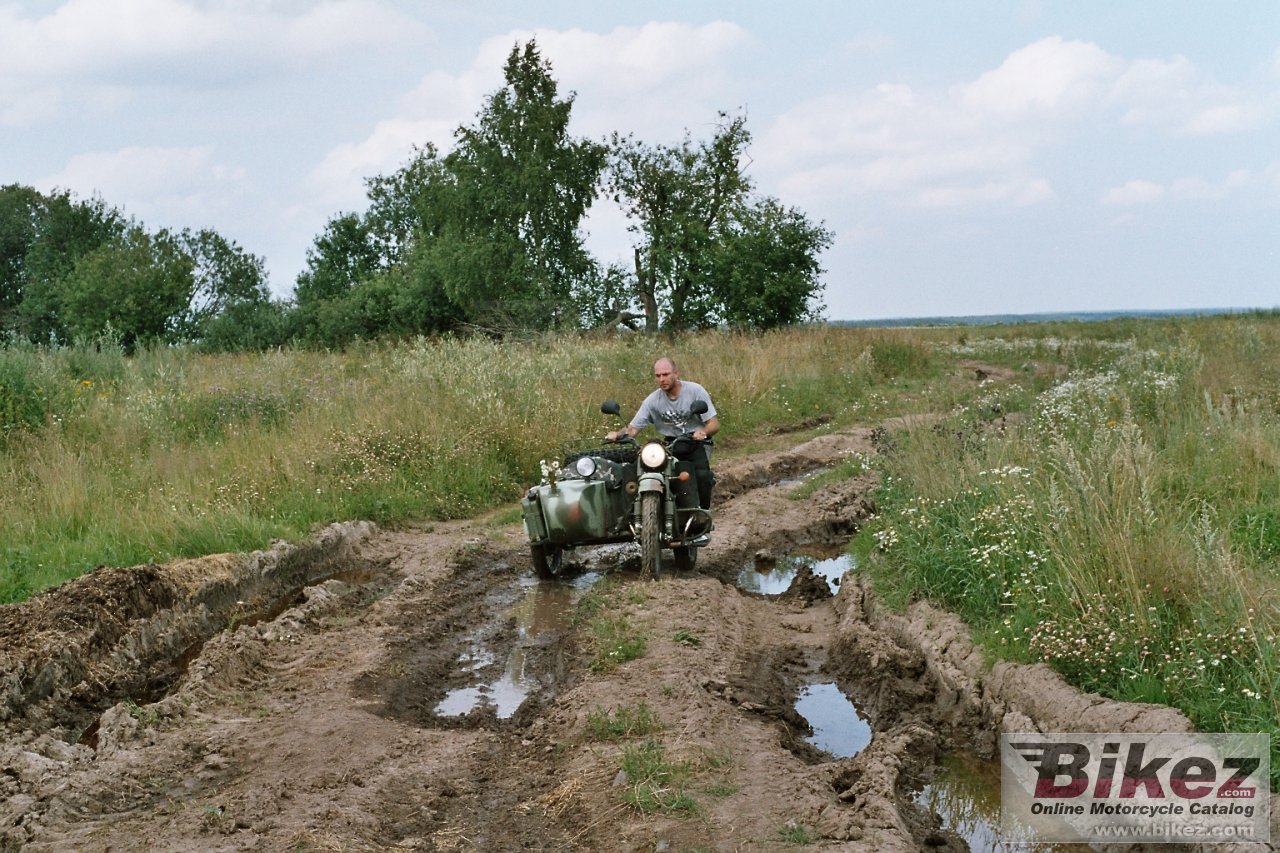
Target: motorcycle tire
x=626 y=454
x=547 y=560
x=650 y=546
x=686 y=558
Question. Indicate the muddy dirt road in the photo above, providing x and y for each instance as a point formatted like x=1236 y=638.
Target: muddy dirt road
x=419 y=690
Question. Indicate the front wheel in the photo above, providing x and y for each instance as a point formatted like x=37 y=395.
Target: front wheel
x=650 y=548
x=547 y=560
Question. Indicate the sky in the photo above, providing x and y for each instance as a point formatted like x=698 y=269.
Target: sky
x=992 y=156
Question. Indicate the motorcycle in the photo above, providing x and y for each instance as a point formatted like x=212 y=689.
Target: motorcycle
x=621 y=493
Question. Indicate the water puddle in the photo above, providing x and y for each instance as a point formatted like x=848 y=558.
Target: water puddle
x=542 y=613
x=965 y=794
x=775 y=577
x=838 y=726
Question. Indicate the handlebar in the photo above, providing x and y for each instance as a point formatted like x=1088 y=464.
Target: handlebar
x=666 y=439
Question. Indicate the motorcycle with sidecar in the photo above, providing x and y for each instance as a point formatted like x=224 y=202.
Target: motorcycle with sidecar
x=624 y=492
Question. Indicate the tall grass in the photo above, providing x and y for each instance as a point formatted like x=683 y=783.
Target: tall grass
x=1112 y=509
x=1125 y=528
x=122 y=460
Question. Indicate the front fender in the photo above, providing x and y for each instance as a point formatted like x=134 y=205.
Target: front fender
x=652 y=482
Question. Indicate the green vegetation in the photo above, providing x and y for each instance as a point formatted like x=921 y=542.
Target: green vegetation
x=615 y=638
x=1106 y=499
x=656 y=784
x=617 y=641
x=1119 y=524
x=625 y=721
x=796 y=833
x=687 y=638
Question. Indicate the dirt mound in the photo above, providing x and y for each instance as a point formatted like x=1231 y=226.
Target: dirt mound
x=71 y=652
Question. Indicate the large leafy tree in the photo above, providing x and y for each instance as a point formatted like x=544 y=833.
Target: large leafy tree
x=50 y=235
x=678 y=197
x=508 y=245
x=137 y=284
x=708 y=250
x=20 y=213
x=764 y=268
x=486 y=235
x=225 y=279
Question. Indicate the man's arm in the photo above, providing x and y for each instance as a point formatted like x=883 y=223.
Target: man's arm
x=626 y=430
x=710 y=428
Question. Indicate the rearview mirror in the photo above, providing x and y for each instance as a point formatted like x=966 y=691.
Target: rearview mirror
x=611 y=407
x=699 y=407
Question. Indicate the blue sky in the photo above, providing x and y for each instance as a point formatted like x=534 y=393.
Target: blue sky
x=971 y=158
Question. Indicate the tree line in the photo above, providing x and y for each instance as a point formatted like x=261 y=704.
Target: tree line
x=487 y=237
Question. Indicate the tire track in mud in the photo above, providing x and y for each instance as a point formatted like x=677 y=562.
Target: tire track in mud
x=318 y=727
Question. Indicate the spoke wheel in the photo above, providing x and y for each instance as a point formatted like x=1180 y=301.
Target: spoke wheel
x=547 y=560
x=650 y=549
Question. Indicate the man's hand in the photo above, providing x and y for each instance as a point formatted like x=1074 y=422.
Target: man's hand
x=700 y=435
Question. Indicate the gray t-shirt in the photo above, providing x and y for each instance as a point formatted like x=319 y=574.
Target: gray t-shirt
x=672 y=417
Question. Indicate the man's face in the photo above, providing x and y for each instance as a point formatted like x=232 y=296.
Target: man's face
x=664 y=373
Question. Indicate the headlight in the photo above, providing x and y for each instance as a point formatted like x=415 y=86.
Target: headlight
x=653 y=455
x=586 y=466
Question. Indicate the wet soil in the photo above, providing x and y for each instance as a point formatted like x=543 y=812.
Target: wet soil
x=417 y=689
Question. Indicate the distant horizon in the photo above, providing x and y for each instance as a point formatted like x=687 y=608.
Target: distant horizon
x=1013 y=317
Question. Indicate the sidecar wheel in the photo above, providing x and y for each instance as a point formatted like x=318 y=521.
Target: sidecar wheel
x=686 y=558
x=650 y=548
x=547 y=560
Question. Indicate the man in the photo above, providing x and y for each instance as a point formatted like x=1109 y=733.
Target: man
x=668 y=409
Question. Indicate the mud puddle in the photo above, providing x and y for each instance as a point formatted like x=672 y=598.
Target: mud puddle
x=965 y=795
x=774 y=576
x=839 y=728
x=541 y=616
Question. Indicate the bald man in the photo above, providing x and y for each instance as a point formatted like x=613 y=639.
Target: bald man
x=668 y=409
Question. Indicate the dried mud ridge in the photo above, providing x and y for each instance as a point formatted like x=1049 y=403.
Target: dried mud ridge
x=292 y=698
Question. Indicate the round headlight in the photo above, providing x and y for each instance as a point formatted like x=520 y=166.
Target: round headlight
x=653 y=455
x=586 y=466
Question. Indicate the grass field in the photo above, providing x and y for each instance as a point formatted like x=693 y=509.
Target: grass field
x=1107 y=500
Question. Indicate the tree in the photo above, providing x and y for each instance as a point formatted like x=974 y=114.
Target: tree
x=485 y=236
x=678 y=198
x=66 y=230
x=137 y=284
x=225 y=278
x=503 y=231
x=20 y=211
x=764 y=269
x=708 y=251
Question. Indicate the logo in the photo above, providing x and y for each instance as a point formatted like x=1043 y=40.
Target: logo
x=1135 y=787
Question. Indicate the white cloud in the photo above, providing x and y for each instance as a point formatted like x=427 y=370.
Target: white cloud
x=1142 y=192
x=1174 y=95
x=1017 y=193
x=649 y=79
x=1048 y=78
x=72 y=54
x=977 y=144
x=921 y=149
x=1134 y=193
x=338 y=180
x=161 y=186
